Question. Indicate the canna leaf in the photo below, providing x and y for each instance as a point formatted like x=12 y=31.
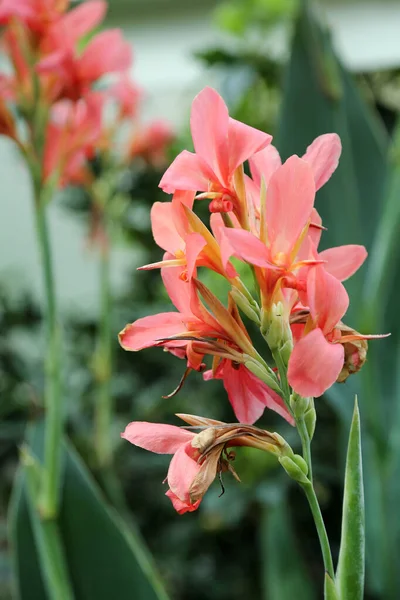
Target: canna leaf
x=351 y=565
x=103 y=554
x=330 y=592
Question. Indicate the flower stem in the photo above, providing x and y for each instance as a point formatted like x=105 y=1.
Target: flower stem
x=320 y=526
x=53 y=402
x=306 y=444
x=103 y=368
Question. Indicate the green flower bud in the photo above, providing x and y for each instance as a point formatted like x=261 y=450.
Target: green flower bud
x=244 y=305
x=293 y=469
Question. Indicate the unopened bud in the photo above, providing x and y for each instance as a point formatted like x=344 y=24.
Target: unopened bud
x=310 y=419
x=261 y=372
x=293 y=468
x=276 y=329
x=299 y=405
x=244 y=305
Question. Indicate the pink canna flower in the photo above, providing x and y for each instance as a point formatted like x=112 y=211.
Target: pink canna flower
x=222 y=145
x=199 y=457
x=194 y=332
x=74 y=74
x=150 y=143
x=322 y=341
x=128 y=95
x=73 y=131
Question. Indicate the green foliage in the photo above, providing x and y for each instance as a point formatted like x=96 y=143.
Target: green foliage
x=351 y=565
x=102 y=554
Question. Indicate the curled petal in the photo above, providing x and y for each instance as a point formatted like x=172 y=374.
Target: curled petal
x=314 y=364
x=323 y=156
x=181 y=507
x=194 y=245
x=156 y=437
x=343 y=261
x=181 y=473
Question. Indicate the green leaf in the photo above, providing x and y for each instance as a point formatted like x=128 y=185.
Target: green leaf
x=103 y=553
x=284 y=574
x=330 y=592
x=351 y=565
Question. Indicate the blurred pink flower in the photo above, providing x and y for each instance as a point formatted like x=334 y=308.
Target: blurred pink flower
x=127 y=95
x=151 y=142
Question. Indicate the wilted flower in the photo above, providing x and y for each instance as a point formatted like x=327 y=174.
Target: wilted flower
x=199 y=457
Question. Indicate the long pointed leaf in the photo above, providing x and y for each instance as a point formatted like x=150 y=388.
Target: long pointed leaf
x=351 y=566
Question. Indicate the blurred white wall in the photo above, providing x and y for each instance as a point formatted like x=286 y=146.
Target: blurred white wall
x=366 y=35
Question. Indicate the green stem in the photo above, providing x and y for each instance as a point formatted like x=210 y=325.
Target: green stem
x=305 y=444
x=103 y=410
x=320 y=526
x=53 y=402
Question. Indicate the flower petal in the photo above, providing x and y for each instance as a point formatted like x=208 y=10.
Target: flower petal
x=107 y=52
x=244 y=142
x=145 y=332
x=263 y=164
x=179 y=506
x=163 y=227
x=343 y=261
x=209 y=125
x=76 y=23
x=194 y=245
x=178 y=290
x=327 y=298
x=187 y=172
x=314 y=364
x=181 y=473
x=246 y=246
x=156 y=437
x=323 y=156
x=290 y=200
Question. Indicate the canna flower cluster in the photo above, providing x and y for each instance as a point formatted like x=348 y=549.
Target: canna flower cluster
x=267 y=220
x=53 y=85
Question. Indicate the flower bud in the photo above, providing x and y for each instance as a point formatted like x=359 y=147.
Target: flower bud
x=310 y=419
x=299 y=405
x=355 y=354
x=261 y=372
x=276 y=329
x=244 y=305
x=293 y=468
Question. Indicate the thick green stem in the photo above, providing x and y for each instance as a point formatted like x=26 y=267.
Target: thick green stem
x=306 y=444
x=103 y=368
x=49 y=499
x=320 y=526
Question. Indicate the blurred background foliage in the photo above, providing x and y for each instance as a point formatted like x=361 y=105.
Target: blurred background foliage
x=257 y=540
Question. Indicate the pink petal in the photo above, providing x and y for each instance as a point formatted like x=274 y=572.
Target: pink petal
x=145 y=332
x=107 y=52
x=323 y=156
x=181 y=473
x=179 y=506
x=264 y=164
x=156 y=437
x=315 y=231
x=246 y=246
x=209 y=125
x=244 y=142
x=248 y=395
x=194 y=245
x=178 y=290
x=77 y=22
x=314 y=364
x=180 y=199
x=327 y=298
x=343 y=261
x=163 y=227
x=187 y=172
x=290 y=200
